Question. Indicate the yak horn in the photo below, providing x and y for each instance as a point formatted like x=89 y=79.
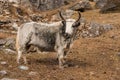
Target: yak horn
x=79 y=17
x=61 y=16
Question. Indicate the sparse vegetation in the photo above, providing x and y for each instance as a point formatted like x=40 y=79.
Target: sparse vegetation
x=95 y=58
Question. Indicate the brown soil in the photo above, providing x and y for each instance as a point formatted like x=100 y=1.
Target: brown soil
x=89 y=59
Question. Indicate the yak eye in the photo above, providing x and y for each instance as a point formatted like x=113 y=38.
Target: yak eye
x=73 y=25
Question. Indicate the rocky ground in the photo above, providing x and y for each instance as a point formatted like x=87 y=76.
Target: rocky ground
x=91 y=58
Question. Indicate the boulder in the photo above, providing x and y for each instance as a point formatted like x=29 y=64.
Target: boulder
x=107 y=5
x=7 y=43
x=44 y=5
x=93 y=29
x=82 y=5
x=100 y=3
x=2 y=42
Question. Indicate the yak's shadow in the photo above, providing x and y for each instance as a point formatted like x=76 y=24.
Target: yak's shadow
x=70 y=62
x=78 y=63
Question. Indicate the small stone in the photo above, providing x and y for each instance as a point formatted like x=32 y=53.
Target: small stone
x=2 y=41
x=119 y=54
x=9 y=51
x=10 y=66
x=76 y=66
x=3 y=72
x=23 y=67
x=3 y=62
x=8 y=79
x=103 y=53
x=117 y=68
x=107 y=27
x=92 y=73
x=32 y=73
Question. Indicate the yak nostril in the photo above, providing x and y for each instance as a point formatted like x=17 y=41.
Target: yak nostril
x=66 y=34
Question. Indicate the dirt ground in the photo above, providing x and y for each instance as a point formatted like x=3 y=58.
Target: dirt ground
x=89 y=59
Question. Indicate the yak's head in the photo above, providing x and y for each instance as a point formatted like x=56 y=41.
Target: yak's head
x=70 y=25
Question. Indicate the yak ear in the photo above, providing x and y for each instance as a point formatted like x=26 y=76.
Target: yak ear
x=76 y=24
x=64 y=23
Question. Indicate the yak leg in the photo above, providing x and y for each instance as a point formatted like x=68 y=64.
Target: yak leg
x=24 y=58
x=26 y=47
x=19 y=56
x=61 y=58
x=21 y=49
